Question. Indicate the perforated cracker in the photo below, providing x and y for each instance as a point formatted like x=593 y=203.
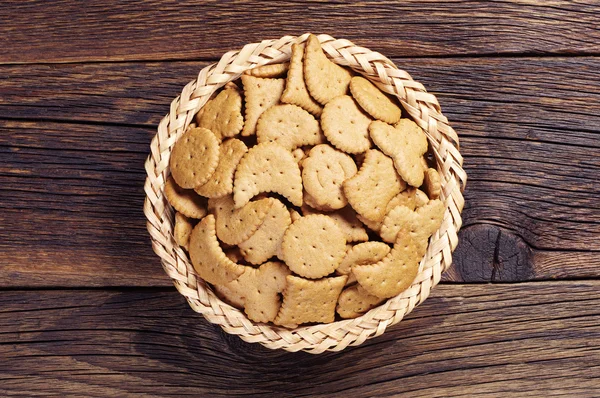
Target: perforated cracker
x=295 y=91
x=312 y=202
x=362 y=254
x=345 y=125
x=194 y=157
x=259 y=94
x=346 y=219
x=355 y=301
x=323 y=173
x=288 y=125
x=182 y=230
x=309 y=300
x=267 y=167
x=373 y=101
x=375 y=184
x=269 y=71
x=185 y=201
x=237 y=225
x=405 y=143
x=220 y=182
x=324 y=79
x=425 y=220
x=223 y=114
x=313 y=246
x=208 y=258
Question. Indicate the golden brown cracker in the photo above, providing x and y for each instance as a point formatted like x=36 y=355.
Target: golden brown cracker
x=290 y=126
x=313 y=246
x=374 y=101
x=324 y=79
x=220 y=182
x=182 y=230
x=405 y=143
x=266 y=241
x=237 y=225
x=267 y=167
x=354 y=301
x=194 y=158
x=362 y=254
x=295 y=91
x=307 y=300
x=425 y=219
x=269 y=71
x=345 y=125
x=432 y=183
x=260 y=94
x=234 y=254
x=407 y=198
x=298 y=155
x=223 y=114
x=294 y=215
x=375 y=184
x=346 y=219
x=208 y=258
x=185 y=201
x=421 y=198
x=312 y=202
x=324 y=172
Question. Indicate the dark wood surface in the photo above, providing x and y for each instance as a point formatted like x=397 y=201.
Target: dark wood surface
x=85 y=308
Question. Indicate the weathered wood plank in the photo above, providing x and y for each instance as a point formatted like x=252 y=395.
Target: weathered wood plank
x=528 y=339
x=67 y=31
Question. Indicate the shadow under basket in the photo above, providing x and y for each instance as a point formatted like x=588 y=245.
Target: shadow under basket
x=415 y=100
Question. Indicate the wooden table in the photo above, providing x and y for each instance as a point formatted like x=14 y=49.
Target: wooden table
x=85 y=307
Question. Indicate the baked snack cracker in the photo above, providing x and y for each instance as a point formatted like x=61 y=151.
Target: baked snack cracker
x=260 y=94
x=407 y=198
x=237 y=225
x=375 y=184
x=267 y=167
x=324 y=79
x=405 y=143
x=362 y=254
x=374 y=101
x=313 y=246
x=269 y=71
x=295 y=91
x=346 y=219
x=194 y=157
x=182 y=230
x=355 y=301
x=345 y=125
x=223 y=114
x=208 y=258
x=257 y=290
x=290 y=126
x=185 y=201
x=307 y=300
x=432 y=183
x=323 y=173
x=426 y=219
x=220 y=182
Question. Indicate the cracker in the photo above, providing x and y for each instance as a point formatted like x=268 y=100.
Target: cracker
x=427 y=219
x=324 y=79
x=374 y=101
x=345 y=125
x=267 y=167
x=182 y=230
x=269 y=71
x=257 y=290
x=405 y=143
x=324 y=172
x=295 y=91
x=313 y=246
x=185 y=201
x=223 y=114
x=312 y=202
x=299 y=155
x=346 y=219
x=220 y=182
x=294 y=215
x=194 y=157
x=237 y=225
x=375 y=184
x=290 y=126
x=396 y=271
x=407 y=198
x=234 y=254
x=362 y=254
x=421 y=198
x=309 y=300
x=266 y=241
x=208 y=258
x=354 y=301
x=432 y=183
x=260 y=94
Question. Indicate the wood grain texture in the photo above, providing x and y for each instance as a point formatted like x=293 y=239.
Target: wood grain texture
x=533 y=339
x=73 y=167
x=37 y=31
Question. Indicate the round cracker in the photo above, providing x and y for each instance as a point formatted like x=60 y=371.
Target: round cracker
x=223 y=114
x=313 y=246
x=373 y=101
x=185 y=201
x=194 y=157
x=237 y=225
x=363 y=254
x=345 y=125
x=290 y=126
x=220 y=182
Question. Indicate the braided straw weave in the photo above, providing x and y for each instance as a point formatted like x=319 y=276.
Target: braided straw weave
x=423 y=108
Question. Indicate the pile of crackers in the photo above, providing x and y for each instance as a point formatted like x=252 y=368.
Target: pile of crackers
x=302 y=195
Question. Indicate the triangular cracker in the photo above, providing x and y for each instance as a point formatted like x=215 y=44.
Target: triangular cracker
x=260 y=94
x=295 y=91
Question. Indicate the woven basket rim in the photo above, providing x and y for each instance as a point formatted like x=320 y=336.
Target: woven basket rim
x=424 y=109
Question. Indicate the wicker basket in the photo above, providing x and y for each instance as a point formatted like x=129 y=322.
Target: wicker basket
x=424 y=109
